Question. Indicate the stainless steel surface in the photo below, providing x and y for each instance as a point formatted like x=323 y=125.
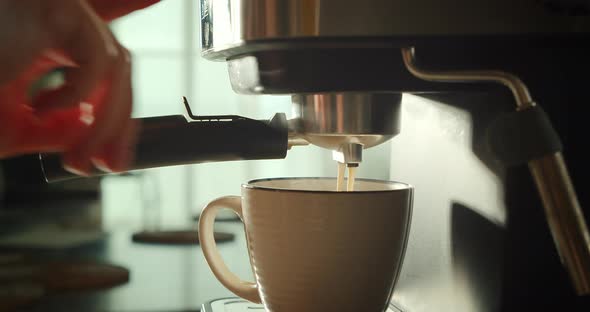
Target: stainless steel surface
x=294 y=140
x=331 y=120
x=562 y=209
x=565 y=217
x=346 y=123
x=351 y=153
x=262 y=24
x=455 y=259
x=518 y=88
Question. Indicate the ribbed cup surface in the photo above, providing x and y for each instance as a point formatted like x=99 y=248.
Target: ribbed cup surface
x=326 y=251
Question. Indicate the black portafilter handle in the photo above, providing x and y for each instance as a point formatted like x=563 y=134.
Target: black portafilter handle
x=172 y=140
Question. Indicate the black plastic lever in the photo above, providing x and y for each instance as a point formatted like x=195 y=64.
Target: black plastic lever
x=172 y=140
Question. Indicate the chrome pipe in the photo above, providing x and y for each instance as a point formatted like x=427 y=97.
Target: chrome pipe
x=562 y=209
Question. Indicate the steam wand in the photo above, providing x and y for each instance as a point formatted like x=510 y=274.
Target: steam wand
x=527 y=136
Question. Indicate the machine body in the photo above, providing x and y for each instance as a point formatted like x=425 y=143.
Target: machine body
x=311 y=48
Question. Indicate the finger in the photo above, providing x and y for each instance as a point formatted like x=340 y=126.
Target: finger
x=118 y=155
x=86 y=39
x=26 y=134
x=23 y=131
x=51 y=100
x=110 y=118
x=112 y=9
x=49 y=61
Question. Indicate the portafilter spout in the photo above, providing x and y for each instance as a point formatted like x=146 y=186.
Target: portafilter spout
x=346 y=122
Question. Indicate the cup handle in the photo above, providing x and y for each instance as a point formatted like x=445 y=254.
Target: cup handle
x=244 y=289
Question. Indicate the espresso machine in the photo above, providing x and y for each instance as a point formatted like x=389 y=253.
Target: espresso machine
x=515 y=68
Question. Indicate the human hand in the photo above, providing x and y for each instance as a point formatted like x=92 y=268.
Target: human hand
x=88 y=118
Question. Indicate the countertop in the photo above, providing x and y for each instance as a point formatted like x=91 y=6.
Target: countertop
x=162 y=278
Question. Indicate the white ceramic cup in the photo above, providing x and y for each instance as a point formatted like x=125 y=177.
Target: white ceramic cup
x=312 y=248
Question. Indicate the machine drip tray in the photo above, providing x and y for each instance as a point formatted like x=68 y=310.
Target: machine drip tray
x=241 y=305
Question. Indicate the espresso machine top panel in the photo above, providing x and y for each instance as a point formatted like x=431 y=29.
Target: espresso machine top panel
x=233 y=27
x=318 y=46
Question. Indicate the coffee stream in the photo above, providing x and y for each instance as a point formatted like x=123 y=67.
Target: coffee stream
x=351 y=177
x=340 y=178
